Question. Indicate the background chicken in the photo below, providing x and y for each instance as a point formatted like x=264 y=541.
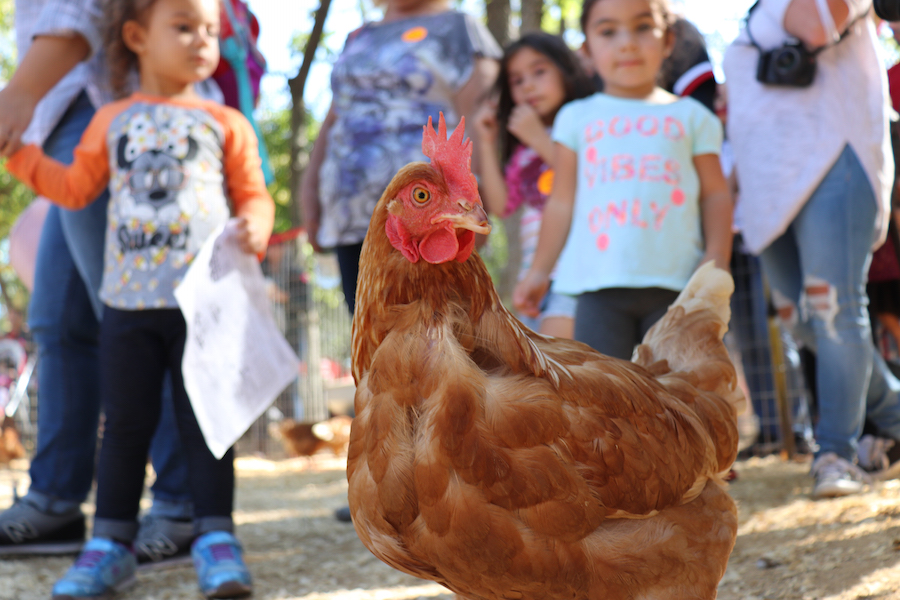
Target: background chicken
x=10 y=443
x=306 y=439
x=504 y=464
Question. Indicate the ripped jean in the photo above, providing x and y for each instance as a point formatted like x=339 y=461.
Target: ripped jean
x=820 y=264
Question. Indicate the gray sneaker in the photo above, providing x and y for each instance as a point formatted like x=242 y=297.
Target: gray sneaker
x=836 y=476
x=24 y=529
x=163 y=543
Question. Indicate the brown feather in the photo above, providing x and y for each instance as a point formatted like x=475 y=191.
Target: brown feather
x=504 y=464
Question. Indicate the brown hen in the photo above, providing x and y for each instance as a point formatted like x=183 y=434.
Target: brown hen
x=10 y=442
x=507 y=465
x=306 y=439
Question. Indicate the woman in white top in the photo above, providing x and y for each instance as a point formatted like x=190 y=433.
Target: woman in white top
x=814 y=165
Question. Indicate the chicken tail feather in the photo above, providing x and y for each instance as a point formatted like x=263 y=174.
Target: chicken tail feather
x=709 y=288
x=686 y=344
x=685 y=352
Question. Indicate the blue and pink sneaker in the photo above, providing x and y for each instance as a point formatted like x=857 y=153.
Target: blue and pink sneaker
x=103 y=568
x=221 y=572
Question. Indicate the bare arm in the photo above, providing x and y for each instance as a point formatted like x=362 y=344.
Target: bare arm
x=716 y=210
x=526 y=124
x=802 y=20
x=47 y=61
x=472 y=94
x=491 y=183
x=555 y=225
x=309 y=187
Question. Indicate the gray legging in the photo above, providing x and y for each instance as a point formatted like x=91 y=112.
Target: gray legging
x=614 y=320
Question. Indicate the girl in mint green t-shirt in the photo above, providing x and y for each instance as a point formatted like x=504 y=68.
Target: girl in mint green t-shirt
x=639 y=199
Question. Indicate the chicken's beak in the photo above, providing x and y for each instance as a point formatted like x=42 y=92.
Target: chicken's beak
x=472 y=218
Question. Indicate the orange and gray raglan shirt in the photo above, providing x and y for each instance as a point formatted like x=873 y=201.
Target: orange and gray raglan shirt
x=174 y=168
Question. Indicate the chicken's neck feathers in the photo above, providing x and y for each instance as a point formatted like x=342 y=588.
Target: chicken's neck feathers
x=387 y=281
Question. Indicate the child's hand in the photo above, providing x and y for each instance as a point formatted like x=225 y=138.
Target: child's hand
x=530 y=292
x=526 y=124
x=250 y=237
x=486 y=121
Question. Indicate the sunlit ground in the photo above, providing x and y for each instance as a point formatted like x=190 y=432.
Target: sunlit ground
x=789 y=547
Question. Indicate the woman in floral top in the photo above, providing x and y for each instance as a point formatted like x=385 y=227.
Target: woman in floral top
x=421 y=59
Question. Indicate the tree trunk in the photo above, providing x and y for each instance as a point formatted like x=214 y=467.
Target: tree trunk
x=297 y=84
x=532 y=14
x=498 y=13
x=562 y=18
x=498 y=23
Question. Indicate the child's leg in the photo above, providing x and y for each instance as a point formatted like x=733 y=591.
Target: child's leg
x=558 y=315
x=132 y=365
x=604 y=321
x=211 y=480
x=133 y=358
x=657 y=303
x=218 y=556
x=613 y=321
x=561 y=327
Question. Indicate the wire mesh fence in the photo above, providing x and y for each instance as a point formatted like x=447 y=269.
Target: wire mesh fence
x=309 y=308
x=775 y=378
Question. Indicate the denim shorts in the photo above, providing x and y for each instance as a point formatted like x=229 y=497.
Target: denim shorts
x=553 y=305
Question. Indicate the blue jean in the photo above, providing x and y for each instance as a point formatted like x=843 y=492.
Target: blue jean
x=554 y=304
x=820 y=265
x=64 y=320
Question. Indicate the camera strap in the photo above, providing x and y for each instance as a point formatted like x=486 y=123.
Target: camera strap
x=813 y=51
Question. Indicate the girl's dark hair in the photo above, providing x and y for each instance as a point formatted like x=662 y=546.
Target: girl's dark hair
x=119 y=58
x=575 y=79
x=663 y=6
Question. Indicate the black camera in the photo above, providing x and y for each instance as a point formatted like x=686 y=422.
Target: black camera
x=889 y=10
x=789 y=65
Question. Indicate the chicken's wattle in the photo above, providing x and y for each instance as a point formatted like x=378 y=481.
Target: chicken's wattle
x=442 y=245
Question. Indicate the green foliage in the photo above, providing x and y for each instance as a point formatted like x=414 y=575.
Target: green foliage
x=561 y=16
x=495 y=252
x=324 y=53
x=7 y=40
x=276 y=129
x=16 y=291
x=14 y=197
x=889 y=45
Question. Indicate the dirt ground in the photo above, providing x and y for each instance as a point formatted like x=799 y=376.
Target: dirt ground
x=789 y=547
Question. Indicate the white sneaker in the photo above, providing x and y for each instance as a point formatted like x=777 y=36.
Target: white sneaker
x=836 y=476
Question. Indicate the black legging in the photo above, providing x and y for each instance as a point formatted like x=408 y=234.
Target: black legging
x=348 y=261
x=137 y=347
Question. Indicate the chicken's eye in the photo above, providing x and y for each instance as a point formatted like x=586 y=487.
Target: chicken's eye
x=421 y=195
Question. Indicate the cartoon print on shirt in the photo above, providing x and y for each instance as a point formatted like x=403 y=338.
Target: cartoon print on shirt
x=151 y=155
x=621 y=167
x=155 y=176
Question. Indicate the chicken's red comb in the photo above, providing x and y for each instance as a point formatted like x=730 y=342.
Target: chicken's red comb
x=445 y=152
